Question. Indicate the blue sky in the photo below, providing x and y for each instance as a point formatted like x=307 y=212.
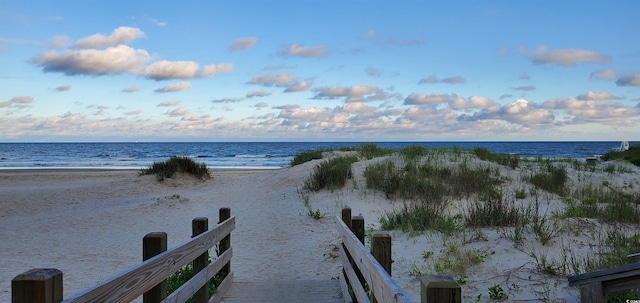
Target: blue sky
x=319 y=70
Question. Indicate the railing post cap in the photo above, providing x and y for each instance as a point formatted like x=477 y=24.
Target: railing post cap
x=37 y=274
x=380 y=234
x=438 y=281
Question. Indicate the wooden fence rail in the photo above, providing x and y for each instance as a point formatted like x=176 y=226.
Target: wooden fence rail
x=373 y=269
x=596 y=284
x=147 y=278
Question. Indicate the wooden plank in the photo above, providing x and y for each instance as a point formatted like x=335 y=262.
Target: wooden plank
x=356 y=287
x=345 y=288
x=222 y=289
x=384 y=288
x=189 y=288
x=307 y=291
x=132 y=283
x=621 y=284
x=619 y=272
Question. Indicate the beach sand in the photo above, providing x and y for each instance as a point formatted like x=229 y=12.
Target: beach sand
x=90 y=223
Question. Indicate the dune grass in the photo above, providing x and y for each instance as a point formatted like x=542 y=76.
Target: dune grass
x=632 y=155
x=166 y=169
x=306 y=156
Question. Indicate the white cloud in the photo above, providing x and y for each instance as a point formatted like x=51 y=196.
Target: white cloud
x=133 y=112
x=296 y=50
x=227 y=100
x=524 y=88
x=356 y=93
x=113 y=60
x=628 y=79
x=184 y=85
x=449 y=80
x=596 y=96
x=164 y=70
x=563 y=56
x=178 y=112
x=259 y=94
x=243 y=44
x=429 y=99
x=594 y=110
x=120 y=35
x=63 y=88
x=132 y=89
x=212 y=69
x=474 y=102
x=261 y=105
x=524 y=112
x=273 y=80
x=22 y=100
x=604 y=74
x=169 y=103
x=298 y=87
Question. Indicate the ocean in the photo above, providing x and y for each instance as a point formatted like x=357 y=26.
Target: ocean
x=243 y=155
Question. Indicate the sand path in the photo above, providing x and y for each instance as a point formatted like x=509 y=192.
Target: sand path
x=90 y=224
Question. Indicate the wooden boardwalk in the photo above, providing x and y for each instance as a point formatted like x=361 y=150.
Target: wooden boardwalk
x=325 y=291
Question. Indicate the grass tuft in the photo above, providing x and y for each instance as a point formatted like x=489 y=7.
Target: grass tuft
x=166 y=169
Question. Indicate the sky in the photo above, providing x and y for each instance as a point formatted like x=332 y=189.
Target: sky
x=103 y=71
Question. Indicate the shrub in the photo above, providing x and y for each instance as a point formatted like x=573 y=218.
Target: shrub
x=495 y=211
x=166 y=169
x=370 y=151
x=632 y=155
x=553 y=179
x=331 y=174
x=502 y=159
x=413 y=152
x=306 y=156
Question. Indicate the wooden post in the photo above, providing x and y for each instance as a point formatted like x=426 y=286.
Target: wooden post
x=154 y=244
x=381 y=249
x=198 y=226
x=40 y=285
x=439 y=288
x=357 y=223
x=346 y=216
x=225 y=243
x=592 y=293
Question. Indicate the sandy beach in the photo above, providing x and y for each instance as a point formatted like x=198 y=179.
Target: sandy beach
x=90 y=223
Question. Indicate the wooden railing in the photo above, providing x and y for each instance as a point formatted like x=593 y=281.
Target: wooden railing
x=596 y=284
x=364 y=270
x=148 y=279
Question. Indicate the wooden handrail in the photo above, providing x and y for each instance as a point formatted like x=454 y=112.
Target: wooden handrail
x=384 y=288
x=134 y=282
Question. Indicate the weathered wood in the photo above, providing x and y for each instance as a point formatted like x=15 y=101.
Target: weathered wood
x=592 y=293
x=381 y=249
x=346 y=216
x=133 y=282
x=384 y=288
x=189 y=288
x=198 y=226
x=345 y=288
x=357 y=226
x=154 y=244
x=439 y=289
x=354 y=280
x=624 y=271
x=225 y=243
x=284 y=291
x=223 y=288
x=40 y=285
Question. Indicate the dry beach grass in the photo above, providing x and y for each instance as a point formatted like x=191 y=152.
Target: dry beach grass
x=89 y=223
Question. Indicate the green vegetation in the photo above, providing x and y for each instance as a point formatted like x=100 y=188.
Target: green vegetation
x=632 y=155
x=502 y=159
x=166 y=169
x=370 y=151
x=183 y=275
x=552 y=178
x=331 y=174
x=497 y=293
x=306 y=156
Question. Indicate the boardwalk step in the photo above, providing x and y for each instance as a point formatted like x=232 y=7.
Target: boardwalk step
x=285 y=291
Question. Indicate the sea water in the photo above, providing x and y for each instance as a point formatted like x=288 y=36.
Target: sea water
x=243 y=155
